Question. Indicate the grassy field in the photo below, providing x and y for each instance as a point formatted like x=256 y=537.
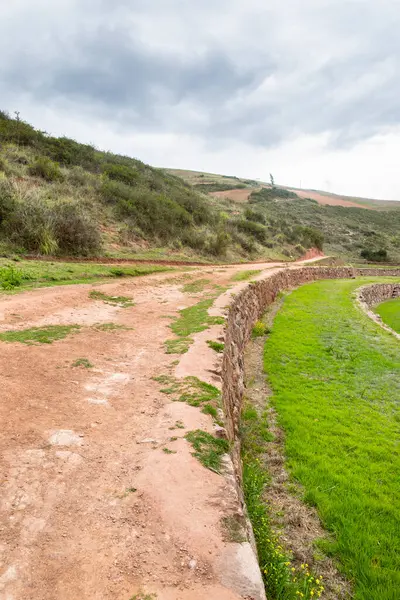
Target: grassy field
x=390 y=313
x=30 y=274
x=336 y=387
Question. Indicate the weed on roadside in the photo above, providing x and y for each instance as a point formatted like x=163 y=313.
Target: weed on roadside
x=122 y=301
x=216 y=346
x=178 y=346
x=208 y=449
x=111 y=327
x=83 y=362
x=259 y=329
x=191 y=390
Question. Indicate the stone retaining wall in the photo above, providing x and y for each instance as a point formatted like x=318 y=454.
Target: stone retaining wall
x=376 y=293
x=244 y=311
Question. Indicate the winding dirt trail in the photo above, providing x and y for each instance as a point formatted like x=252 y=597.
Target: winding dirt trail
x=91 y=506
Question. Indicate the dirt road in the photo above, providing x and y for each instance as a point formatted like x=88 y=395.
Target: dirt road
x=92 y=507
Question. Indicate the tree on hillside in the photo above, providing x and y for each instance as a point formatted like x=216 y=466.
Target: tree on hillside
x=272 y=179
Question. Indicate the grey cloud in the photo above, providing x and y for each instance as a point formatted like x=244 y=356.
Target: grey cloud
x=207 y=86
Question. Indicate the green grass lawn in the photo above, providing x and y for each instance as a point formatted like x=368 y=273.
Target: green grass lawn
x=32 y=273
x=389 y=312
x=335 y=377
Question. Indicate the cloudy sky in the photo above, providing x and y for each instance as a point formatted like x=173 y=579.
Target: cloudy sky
x=306 y=89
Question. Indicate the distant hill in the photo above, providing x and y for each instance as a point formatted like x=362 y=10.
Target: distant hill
x=60 y=197
x=350 y=226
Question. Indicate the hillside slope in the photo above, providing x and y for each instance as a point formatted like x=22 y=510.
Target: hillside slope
x=350 y=227
x=59 y=197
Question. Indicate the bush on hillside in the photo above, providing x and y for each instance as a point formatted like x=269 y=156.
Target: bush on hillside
x=271 y=193
x=155 y=214
x=121 y=173
x=18 y=132
x=7 y=201
x=30 y=226
x=69 y=152
x=46 y=168
x=250 y=227
x=74 y=231
x=373 y=255
x=252 y=214
x=218 y=243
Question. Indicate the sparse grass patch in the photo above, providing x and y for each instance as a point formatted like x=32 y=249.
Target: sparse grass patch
x=123 y=301
x=39 y=335
x=245 y=275
x=82 y=362
x=191 y=320
x=179 y=346
x=216 y=346
x=178 y=425
x=196 y=286
x=111 y=327
x=168 y=451
x=389 y=312
x=208 y=449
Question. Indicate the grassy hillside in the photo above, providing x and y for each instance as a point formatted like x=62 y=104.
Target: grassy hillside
x=59 y=197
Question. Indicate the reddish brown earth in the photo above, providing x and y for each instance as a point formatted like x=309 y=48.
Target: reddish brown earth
x=240 y=195
x=330 y=200
x=91 y=507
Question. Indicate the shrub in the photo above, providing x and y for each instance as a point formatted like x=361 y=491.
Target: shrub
x=252 y=214
x=46 y=168
x=155 y=214
x=218 y=243
x=259 y=329
x=10 y=277
x=74 y=231
x=77 y=176
x=69 y=152
x=30 y=225
x=121 y=173
x=250 y=227
x=380 y=255
x=18 y=132
x=7 y=201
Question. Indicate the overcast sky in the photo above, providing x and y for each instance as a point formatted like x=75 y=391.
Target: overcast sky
x=306 y=89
